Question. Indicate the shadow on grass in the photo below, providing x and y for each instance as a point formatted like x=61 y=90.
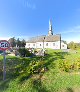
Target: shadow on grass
x=37 y=84
x=54 y=56
x=69 y=90
x=13 y=68
x=4 y=85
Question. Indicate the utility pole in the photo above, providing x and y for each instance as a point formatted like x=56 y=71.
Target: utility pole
x=43 y=46
x=4 y=66
x=4 y=45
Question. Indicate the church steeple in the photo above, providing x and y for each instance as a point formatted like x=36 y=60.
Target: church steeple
x=50 y=28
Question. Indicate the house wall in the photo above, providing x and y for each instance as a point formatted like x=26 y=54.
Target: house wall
x=63 y=46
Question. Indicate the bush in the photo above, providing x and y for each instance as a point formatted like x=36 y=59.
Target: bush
x=64 y=65
x=24 y=52
x=36 y=67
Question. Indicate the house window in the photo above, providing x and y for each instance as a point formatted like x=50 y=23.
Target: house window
x=40 y=44
x=33 y=44
x=53 y=44
x=46 y=44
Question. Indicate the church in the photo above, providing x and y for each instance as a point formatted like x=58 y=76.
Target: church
x=47 y=41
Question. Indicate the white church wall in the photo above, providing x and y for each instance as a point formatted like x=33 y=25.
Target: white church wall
x=39 y=44
x=47 y=44
x=30 y=45
x=56 y=45
x=52 y=45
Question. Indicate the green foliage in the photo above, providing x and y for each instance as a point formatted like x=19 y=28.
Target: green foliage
x=24 y=52
x=12 y=41
x=18 y=42
x=73 y=45
x=23 y=43
x=36 y=67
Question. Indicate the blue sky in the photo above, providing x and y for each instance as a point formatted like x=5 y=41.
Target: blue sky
x=29 y=18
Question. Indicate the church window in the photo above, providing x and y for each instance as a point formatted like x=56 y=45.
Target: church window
x=46 y=44
x=40 y=44
x=33 y=44
x=53 y=44
x=28 y=44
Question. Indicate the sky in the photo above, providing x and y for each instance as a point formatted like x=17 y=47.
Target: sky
x=29 y=18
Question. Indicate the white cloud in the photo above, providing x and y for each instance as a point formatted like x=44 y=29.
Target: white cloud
x=71 y=34
x=22 y=37
x=16 y=37
x=68 y=40
x=29 y=5
x=4 y=38
x=75 y=29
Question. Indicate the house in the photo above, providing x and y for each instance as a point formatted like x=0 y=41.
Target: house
x=50 y=41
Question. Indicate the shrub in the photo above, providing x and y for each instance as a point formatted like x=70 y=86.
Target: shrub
x=24 y=52
x=64 y=65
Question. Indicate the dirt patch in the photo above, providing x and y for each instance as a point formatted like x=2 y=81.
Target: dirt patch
x=76 y=89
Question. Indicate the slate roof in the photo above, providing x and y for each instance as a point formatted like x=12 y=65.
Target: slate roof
x=51 y=38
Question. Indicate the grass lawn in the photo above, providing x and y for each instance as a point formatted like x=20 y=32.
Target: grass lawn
x=60 y=75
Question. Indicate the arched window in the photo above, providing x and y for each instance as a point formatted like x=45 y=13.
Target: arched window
x=46 y=44
x=33 y=44
x=40 y=44
x=53 y=44
x=28 y=44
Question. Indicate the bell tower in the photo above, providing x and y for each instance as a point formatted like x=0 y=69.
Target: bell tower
x=50 y=32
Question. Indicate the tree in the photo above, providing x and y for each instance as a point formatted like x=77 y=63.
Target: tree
x=72 y=45
x=12 y=42
x=18 y=42
x=23 y=43
x=78 y=45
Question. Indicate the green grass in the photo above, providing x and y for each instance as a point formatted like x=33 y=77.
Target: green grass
x=62 y=82
x=58 y=76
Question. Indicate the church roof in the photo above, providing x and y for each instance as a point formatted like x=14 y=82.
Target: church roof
x=51 y=38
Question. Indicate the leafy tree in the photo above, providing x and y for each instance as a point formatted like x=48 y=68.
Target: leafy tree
x=18 y=42
x=23 y=43
x=12 y=41
x=78 y=45
x=73 y=45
